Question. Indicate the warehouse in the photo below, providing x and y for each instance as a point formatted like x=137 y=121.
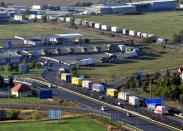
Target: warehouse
x=155 y=5
x=10 y=57
x=4 y=17
x=112 y=8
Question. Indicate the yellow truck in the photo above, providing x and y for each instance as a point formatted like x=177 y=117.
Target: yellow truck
x=76 y=81
x=66 y=77
x=112 y=92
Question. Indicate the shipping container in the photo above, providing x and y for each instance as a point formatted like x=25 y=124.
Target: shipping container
x=98 y=88
x=112 y=92
x=86 y=62
x=92 y=24
x=133 y=100
x=115 y=29
x=126 y=31
x=66 y=77
x=123 y=96
x=132 y=33
x=76 y=81
x=161 y=110
x=87 y=84
x=106 y=27
x=78 y=21
x=97 y=26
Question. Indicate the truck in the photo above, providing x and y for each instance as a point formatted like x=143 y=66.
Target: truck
x=78 y=21
x=112 y=92
x=85 y=23
x=161 y=110
x=86 y=62
x=115 y=29
x=123 y=96
x=92 y=24
x=132 y=33
x=87 y=84
x=106 y=27
x=98 y=87
x=68 y=19
x=125 y=31
x=134 y=101
x=77 y=81
x=97 y=26
x=66 y=77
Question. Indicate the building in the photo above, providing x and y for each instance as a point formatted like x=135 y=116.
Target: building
x=4 y=17
x=64 y=38
x=21 y=90
x=112 y=8
x=10 y=57
x=155 y=5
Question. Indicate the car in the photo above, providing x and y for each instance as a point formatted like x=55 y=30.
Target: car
x=128 y=114
x=51 y=86
x=103 y=108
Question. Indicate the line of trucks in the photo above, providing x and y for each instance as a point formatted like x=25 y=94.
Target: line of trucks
x=114 y=29
x=111 y=92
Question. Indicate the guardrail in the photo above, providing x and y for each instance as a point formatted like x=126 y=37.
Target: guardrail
x=115 y=107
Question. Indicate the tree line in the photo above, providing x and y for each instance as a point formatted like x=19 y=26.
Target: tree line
x=168 y=86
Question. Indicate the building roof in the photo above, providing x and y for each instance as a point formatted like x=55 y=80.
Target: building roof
x=9 y=55
x=21 y=88
x=69 y=36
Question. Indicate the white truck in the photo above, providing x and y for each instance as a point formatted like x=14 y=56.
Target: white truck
x=133 y=100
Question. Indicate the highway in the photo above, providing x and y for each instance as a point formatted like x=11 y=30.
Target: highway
x=114 y=113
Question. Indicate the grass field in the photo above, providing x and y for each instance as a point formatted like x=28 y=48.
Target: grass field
x=36 y=100
x=9 y=31
x=163 y=24
x=160 y=59
x=32 y=72
x=32 y=29
x=79 y=124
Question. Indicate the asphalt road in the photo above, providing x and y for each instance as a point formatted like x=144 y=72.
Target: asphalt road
x=138 y=122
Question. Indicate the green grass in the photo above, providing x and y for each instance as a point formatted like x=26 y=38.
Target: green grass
x=79 y=124
x=32 y=72
x=160 y=59
x=163 y=24
x=36 y=100
x=32 y=29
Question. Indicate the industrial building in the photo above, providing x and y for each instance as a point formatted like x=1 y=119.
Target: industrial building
x=4 y=17
x=10 y=57
x=112 y=8
x=155 y=5
x=51 y=39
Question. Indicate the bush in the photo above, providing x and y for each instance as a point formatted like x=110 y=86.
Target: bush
x=13 y=114
x=37 y=115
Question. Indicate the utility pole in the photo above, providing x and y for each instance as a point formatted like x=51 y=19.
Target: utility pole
x=150 y=87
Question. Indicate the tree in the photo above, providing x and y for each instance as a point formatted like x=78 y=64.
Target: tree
x=1 y=81
x=176 y=38
x=131 y=83
x=2 y=4
x=10 y=81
